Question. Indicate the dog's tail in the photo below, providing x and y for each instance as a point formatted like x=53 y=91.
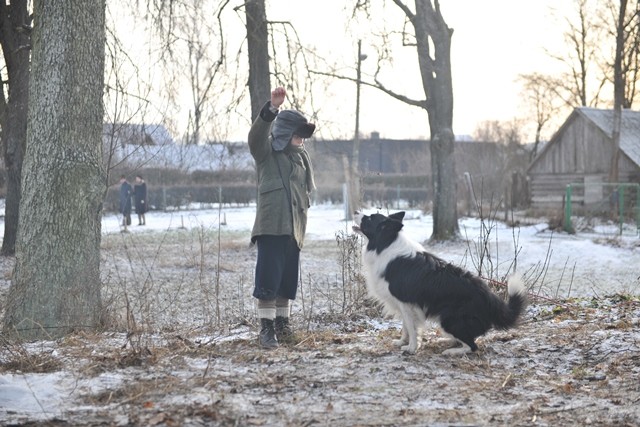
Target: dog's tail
x=507 y=315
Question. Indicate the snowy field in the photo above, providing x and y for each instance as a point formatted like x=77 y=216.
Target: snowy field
x=164 y=360
x=580 y=265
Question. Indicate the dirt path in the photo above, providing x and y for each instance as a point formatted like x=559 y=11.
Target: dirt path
x=570 y=363
x=567 y=365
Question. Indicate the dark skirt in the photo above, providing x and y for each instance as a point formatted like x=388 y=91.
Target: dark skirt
x=141 y=207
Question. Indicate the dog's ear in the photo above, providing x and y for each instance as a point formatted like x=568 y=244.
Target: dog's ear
x=398 y=216
x=392 y=225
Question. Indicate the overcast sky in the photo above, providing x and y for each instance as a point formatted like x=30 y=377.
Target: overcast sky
x=493 y=42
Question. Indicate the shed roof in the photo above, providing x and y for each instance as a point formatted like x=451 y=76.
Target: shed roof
x=629 y=128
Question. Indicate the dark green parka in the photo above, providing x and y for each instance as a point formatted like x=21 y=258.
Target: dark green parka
x=285 y=180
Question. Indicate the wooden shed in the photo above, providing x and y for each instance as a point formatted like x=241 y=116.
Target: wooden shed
x=580 y=153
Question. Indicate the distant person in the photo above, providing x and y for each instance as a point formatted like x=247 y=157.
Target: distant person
x=140 y=197
x=125 y=201
x=285 y=179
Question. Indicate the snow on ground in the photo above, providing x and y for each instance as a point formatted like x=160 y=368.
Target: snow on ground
x=586 y=264
x=570 y=362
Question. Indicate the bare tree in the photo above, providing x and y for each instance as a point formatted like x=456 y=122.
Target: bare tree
x=200 y=47
x=540 y=93
x=56 y=283
x=258 y=53
x=618 y=89
x=127 y=94
x=426 y=30
x=581 y=58
x=621 y=27
x=15 y=35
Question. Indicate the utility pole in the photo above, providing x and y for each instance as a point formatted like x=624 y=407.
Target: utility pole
x=354 y=178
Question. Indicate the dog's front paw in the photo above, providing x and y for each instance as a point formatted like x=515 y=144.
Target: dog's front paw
x=409 y=349
x=400 y=342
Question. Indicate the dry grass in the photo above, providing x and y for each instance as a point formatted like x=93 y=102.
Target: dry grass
x=179 y=348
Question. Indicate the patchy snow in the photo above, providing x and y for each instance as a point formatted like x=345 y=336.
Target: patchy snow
x=589 y=264
x=169 y=362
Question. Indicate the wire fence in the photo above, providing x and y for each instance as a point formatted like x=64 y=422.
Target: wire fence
x=602 y=208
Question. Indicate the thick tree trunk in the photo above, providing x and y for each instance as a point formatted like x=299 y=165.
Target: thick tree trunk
x=15 y=41
x=445 y=216
x=258 y=50
x=56 y=283
x=435 y=68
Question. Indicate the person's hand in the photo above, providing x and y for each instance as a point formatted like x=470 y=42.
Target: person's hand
x=277 y=96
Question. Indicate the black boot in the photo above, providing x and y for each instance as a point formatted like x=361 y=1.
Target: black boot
x=267 y=338
x=283 y=330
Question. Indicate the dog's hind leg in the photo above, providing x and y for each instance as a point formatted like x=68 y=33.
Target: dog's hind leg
x=461 y=331
x=457 y=351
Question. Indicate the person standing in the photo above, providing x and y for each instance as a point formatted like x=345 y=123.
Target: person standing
x=125 y=202
x=285 y=181
x=140 y=197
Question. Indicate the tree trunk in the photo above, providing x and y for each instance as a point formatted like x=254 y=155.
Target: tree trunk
x=15 y=41
x=435 y=68
x=56 y=283
x=618 y=93
x=445 y=216
x=258 y=50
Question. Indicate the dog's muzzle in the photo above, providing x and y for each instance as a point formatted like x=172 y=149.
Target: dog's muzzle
x=357 y=218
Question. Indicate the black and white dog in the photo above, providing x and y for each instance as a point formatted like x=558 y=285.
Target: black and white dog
x=417 y=286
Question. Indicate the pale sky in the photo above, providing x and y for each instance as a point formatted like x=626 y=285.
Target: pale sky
x=493 y=42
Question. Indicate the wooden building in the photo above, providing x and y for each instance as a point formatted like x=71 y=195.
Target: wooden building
x=388 y=164
x=580 y=153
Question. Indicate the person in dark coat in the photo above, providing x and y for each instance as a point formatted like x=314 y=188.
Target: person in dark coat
x=140 y=197
x=125 y=201
x=285 y=181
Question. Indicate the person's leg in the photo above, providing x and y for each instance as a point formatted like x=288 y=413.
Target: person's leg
x=269 y=266
x=288 y=286
x=267 y=313
x=287 y=292
x=283 y=330
x=269 y=269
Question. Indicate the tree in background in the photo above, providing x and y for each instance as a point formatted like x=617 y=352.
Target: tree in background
x=612 y=26
x=511 y=161
x=626 y=69
x=15 y=39
x=258 y=55
x=581 y=84
x=593 y=33
x=621 y=21
x=426 y=30
x=540 y=94
x=197 y=43
x=56 y=284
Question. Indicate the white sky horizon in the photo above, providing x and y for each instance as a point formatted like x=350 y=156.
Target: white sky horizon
x=494 y=41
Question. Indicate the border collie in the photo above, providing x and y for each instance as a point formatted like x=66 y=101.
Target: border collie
x=418 y=286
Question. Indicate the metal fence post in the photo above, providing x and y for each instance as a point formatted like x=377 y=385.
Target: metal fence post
x=638 y=209
x=621 y=189
x=568 y=227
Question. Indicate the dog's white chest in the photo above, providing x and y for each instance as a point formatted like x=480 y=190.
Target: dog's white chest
x=375 y=264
